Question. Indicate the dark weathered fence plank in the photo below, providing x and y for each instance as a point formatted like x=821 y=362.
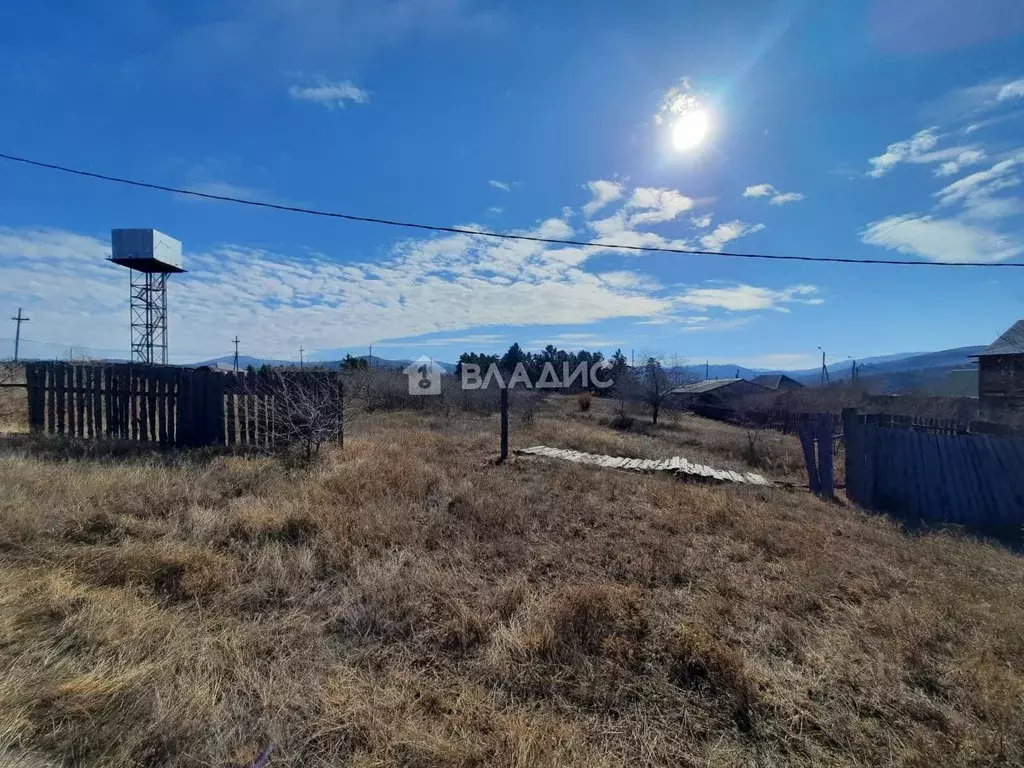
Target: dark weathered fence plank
x=183 y=406
x=230 y=408
x=825 y=427
x=60 y=373
x=85 y=382
x=35 y=383
x=246 y=414
x=805 y=432
x=51 y=403
x=108 y=400
x=79 y=400
x=161 y=407
x=142 y=380
x=70 y=394
x=133 y=404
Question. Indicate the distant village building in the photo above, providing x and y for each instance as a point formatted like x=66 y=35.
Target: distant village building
x=1001 y=375
x=777 y=382
x=713 y=392
x=961 y=382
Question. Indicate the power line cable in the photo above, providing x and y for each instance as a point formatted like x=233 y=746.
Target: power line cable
x=495 y=235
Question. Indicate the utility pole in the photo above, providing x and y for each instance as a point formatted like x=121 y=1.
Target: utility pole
x=369 y=361
x=235 y=340
x=17 y=332
x=824 y=368
x=706 y=369
x=301 y=350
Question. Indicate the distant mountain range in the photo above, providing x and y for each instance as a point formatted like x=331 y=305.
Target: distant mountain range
x=244 y=361
x=887 y=373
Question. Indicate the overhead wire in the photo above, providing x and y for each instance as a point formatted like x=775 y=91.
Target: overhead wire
x=484 y=233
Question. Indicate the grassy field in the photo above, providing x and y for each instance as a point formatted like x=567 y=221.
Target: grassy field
x=408 y=602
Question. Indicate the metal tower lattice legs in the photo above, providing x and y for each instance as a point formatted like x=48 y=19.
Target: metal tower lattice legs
x=149 y=317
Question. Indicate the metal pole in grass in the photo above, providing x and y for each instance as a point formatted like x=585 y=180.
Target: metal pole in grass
x=504 y=425
x=341 y=412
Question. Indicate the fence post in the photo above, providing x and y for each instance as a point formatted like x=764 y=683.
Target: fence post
x=854 y=457
x=35 y=384
x=825 y=478
x=341 y=412
x=504 y=425
x=805 y=430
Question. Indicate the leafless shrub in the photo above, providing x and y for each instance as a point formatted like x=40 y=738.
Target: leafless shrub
x=583 y=399
x=307 y=408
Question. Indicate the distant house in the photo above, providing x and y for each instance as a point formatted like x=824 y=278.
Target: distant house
x=713 y=392
x=1001 y=374
x=961 y=382
x=777 y=382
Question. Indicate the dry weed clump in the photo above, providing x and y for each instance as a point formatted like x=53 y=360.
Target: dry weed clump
x=406 y=601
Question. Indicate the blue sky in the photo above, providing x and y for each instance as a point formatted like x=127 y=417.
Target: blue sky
x=860 y=129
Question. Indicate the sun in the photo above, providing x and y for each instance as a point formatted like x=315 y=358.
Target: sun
x=690 y=130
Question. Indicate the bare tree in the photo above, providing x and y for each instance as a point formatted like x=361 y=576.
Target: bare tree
x=308 y=407
x=654 y=379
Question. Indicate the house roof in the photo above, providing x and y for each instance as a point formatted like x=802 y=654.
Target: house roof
x=1010 y=343
x=775 y=380
x=701 y=387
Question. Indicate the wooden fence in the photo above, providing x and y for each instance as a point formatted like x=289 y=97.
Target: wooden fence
x=971 y=479
x=183 y=407
x=789 y=422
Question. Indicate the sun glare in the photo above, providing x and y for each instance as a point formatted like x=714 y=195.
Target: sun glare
x=690 y=130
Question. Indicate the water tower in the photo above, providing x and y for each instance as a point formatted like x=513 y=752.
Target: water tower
x=151 y=258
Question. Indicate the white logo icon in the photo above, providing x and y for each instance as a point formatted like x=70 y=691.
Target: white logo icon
x=424 y=376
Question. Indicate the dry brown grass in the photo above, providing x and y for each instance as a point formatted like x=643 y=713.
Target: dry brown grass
x=408 y=602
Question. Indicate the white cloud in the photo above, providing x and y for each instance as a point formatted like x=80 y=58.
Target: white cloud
x=481 y=339
x=759 y=190
x=604 y=192
x=777 y=197
x=949 y=240
x=280 y=301
x=630 y=281
x=676 y=100
x=746 y=298
x=968 y=157
x=728 y=231
x=572 y=342
x=330 y=94
x=502 y=185
x=786 y=197
x=495 y=209
x=656 y=205
x=419 y=286
x=918 y=149
x=981 y=183
x=701 y=222
x=1014 y=90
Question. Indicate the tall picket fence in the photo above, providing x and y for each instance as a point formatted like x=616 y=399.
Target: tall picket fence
x=972 y=479
x=169 y=406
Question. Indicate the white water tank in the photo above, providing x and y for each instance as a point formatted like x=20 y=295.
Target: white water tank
x=146 y=250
